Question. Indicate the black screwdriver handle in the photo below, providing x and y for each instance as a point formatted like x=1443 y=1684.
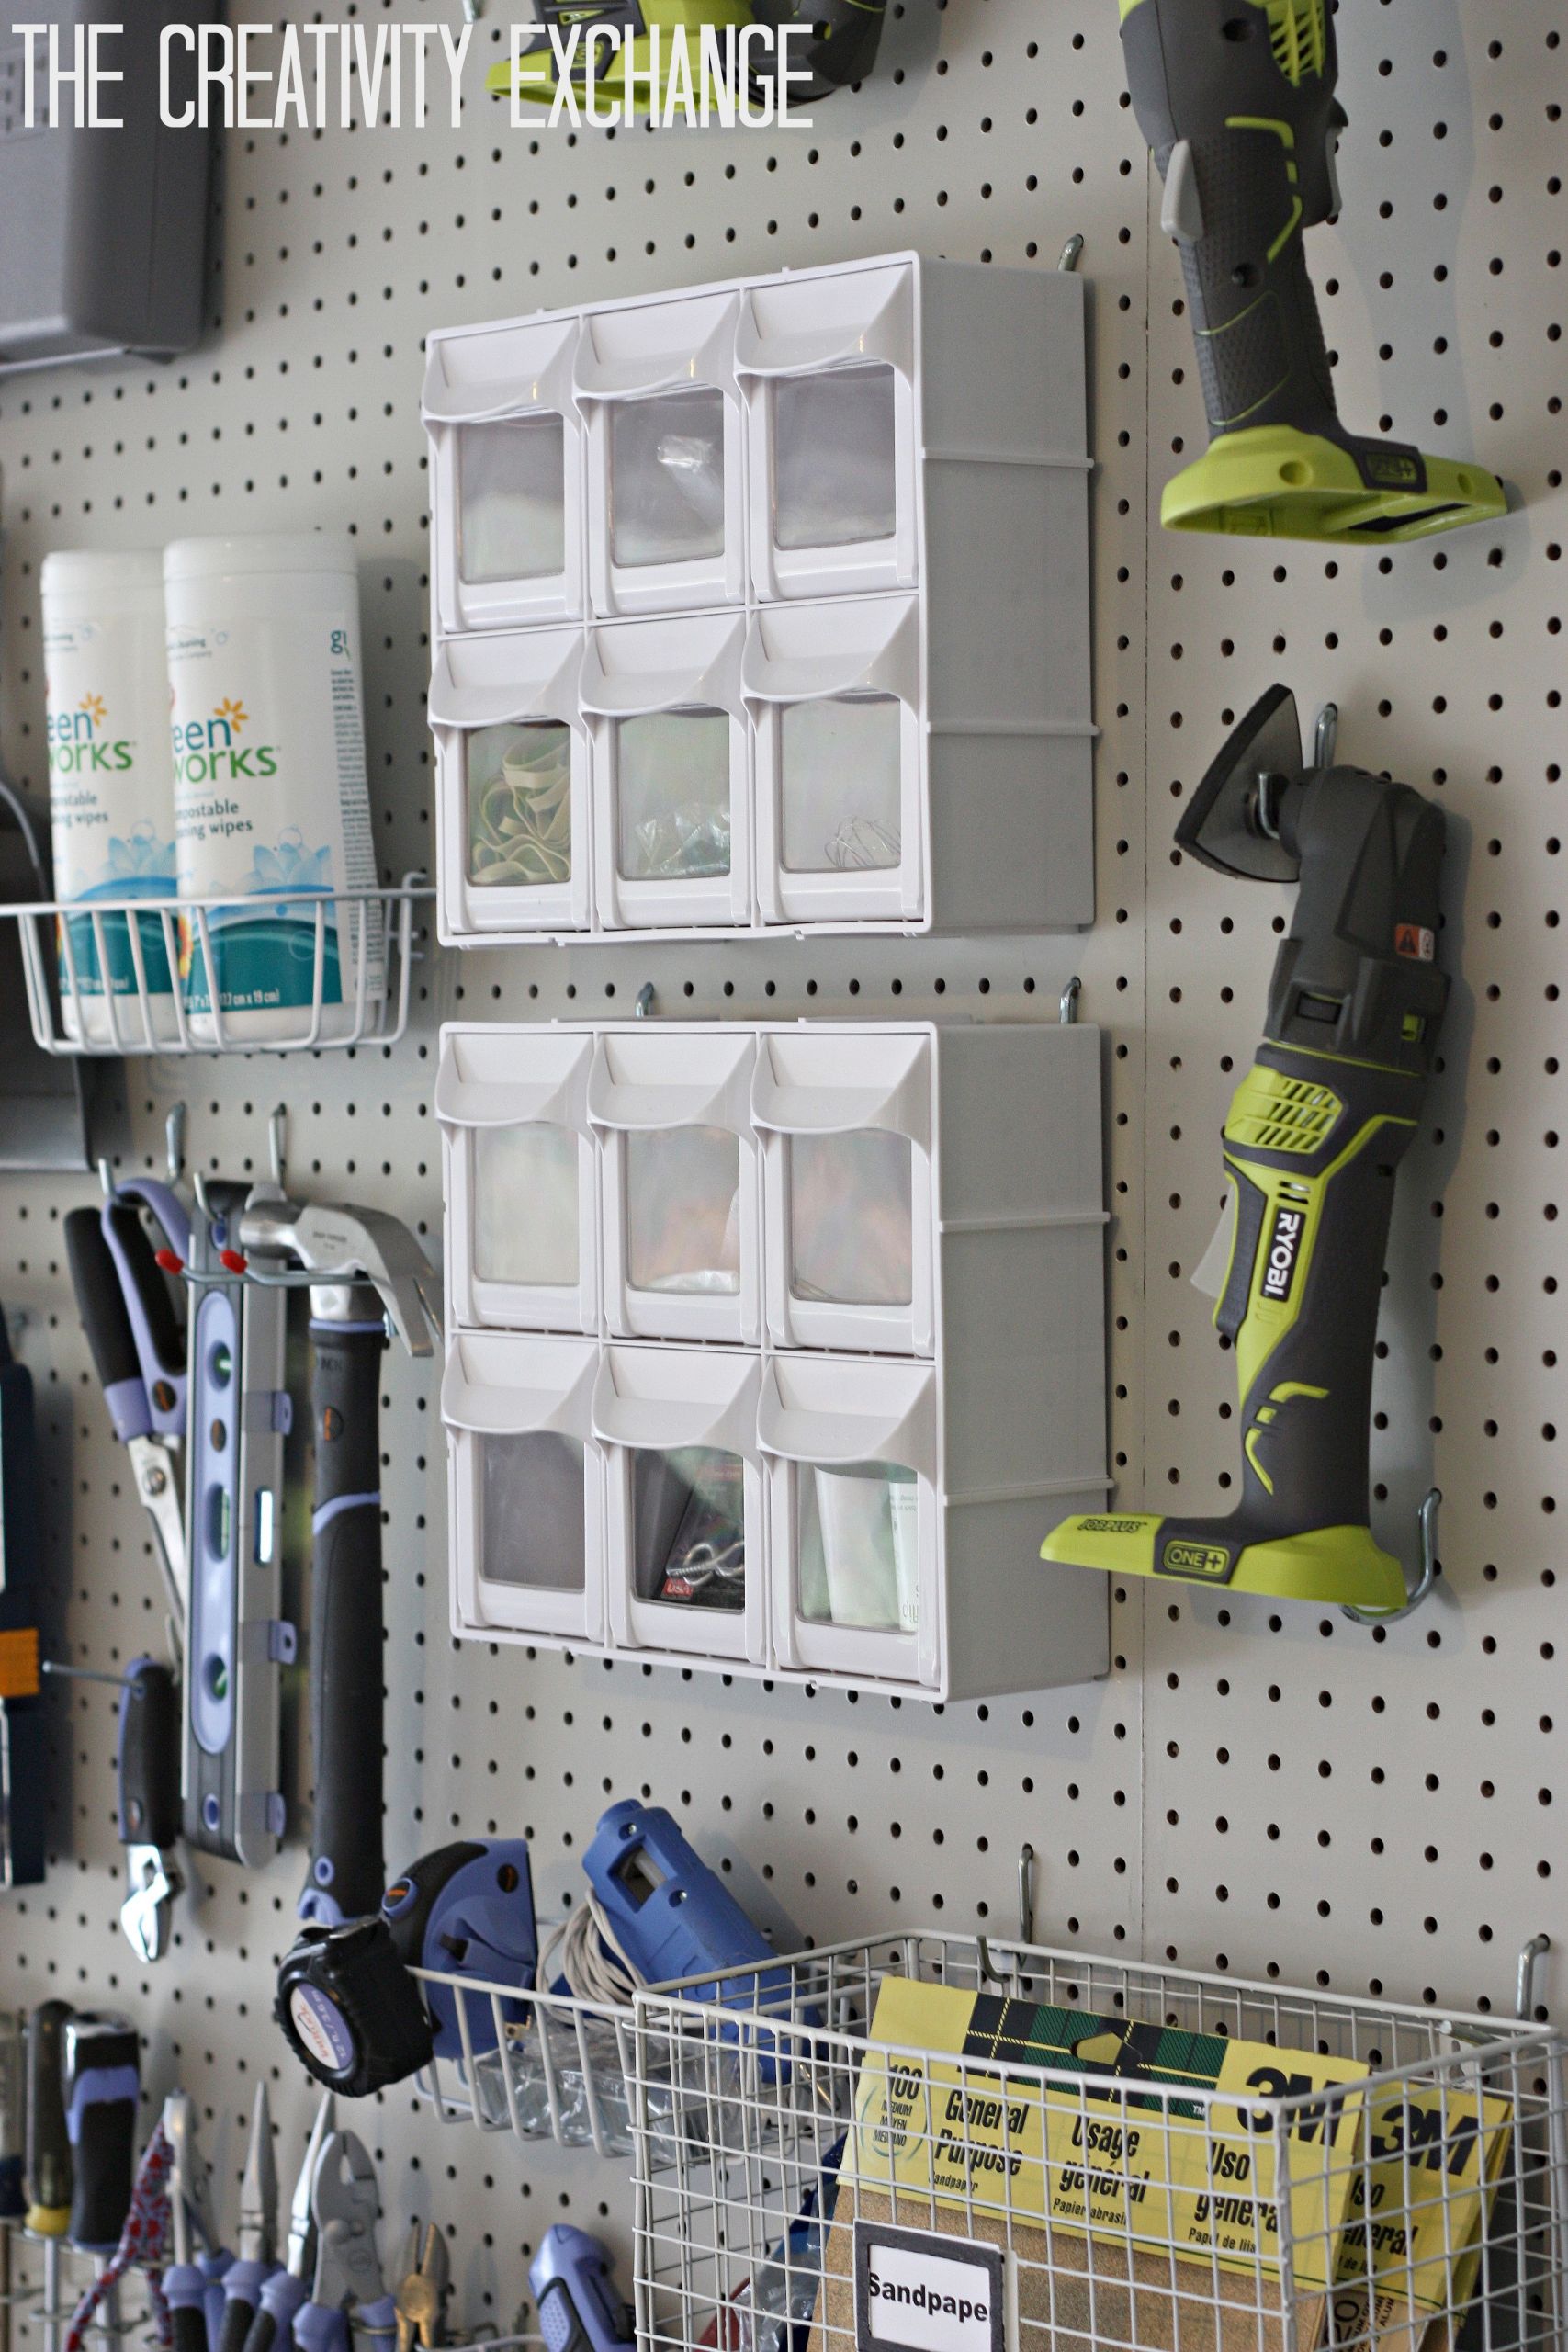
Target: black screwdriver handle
x=103 y=2071
x=48 y=2144
x=150 y=1755
x=347 y=1870
x=100 y=1303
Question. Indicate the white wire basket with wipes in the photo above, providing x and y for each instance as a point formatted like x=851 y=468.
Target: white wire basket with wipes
x=922 y=2143
x=126 y=976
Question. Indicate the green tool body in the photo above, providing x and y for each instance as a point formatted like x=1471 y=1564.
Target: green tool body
x=1237 y=99
x=1313 y=1143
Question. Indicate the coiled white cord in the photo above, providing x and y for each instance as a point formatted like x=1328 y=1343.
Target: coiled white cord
x=582 y=1951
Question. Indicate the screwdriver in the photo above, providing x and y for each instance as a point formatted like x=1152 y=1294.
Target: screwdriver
x=102 y=2076
x=48 y=2152
x=13 y=2132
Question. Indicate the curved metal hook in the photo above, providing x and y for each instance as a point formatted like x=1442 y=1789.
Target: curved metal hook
x=1427 y=1522
x=1530 y=1957
x=1068 y=1011
x=645 y=1000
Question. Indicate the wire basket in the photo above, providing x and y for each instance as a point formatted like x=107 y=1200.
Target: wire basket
x=1407 y=2187
x=354 y=950
x=540 y=2065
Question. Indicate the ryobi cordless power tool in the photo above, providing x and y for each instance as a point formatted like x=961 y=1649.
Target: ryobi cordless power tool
x=1237 y=99
x=833 y=42
x=1316 y=1134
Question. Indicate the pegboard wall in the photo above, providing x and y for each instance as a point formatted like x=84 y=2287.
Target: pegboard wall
x=1264 y=1791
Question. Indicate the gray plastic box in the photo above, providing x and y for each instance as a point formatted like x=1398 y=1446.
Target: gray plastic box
x=111 y=259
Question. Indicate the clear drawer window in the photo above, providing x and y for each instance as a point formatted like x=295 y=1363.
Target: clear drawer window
x=525 y=1206
x=857 y=1548
x=512 y=500
x=835 y=480
x=667 y=477
x=672 y=784
x=682 y=1194
x=532 y=1525
x=519 y=780
x=851 y=1218
x=689 y=1527
x=839 y=784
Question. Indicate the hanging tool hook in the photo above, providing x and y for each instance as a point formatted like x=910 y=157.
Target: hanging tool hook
x=1026 y=1893
x=1325 y=736
x=1427 y=1524
x=1070 y=253
x=277 y=1144
x=175 y=1142
x=989 y=1969
x=1530 y=1957
x=645 y=1000
x=1068 y=1011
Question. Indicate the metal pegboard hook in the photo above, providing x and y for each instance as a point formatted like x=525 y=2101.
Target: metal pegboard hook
x=644 y=996
x=989 y=1972
x=175 y=1142
x=1067 y=1009
x=1530 y=1957
x=1026 y=1893
x=1325 y=736
x=106 y=1176
x=1427 y=1525
x=277 y=1144
x=1070 y=254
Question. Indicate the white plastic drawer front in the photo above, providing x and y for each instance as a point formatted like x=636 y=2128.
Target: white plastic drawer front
x=848 y=1188
x=512 y=782
x=840 y=761
x=507 y=495
x=520 y=1179
x=827 y=364
x=671 y=765
x=666 y=504
x=526 y=1485
x=681 y=1240
x=854 y=1522
x=685 y=1552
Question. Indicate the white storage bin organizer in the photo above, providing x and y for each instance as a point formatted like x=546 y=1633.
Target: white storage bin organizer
x=877 y=474
x=678 y=1160
x=839 y=748
x=512 y=784
x=526 y=1486
x=506 y=475
x=683 y=1501
x=890 y=1241
x=672 y=773
x=520 y=1179
x=666 y=500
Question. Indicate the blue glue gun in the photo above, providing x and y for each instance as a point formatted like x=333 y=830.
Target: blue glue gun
x=673 y=1917
x=468 y=1911
x=573 y=2283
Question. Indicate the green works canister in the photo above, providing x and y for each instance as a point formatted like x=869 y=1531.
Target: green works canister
x=272 y=813
x=111 y=785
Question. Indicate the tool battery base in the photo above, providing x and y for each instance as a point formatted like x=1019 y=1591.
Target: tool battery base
x=1329 y=1564
x=1275 y=482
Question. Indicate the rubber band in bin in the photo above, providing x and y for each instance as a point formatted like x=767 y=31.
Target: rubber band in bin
x=1043 y=2152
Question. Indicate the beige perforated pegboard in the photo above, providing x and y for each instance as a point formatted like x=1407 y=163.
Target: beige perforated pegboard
x=1295 y=1797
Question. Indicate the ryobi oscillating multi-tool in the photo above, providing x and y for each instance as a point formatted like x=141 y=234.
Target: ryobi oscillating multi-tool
x=1315 y=1137
x=1237 y=99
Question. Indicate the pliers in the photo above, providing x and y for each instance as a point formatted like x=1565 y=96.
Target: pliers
x=422 y=2290
x=282 y=2294
x=257 y=2258
x=346 y=2207
x=192 y=2288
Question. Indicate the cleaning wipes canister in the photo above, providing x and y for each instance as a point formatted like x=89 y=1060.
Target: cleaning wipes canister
x=271 y=814
x=110 y=790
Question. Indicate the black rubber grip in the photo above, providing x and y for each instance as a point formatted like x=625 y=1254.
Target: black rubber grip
x=346 y=1866
x=150 y=1755
x=188 y=2329
x=262 y=2332
x=238 y=2317
x=48 y=2146
x=100 y=1303
x=103 y=2063
x=143 y=1271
